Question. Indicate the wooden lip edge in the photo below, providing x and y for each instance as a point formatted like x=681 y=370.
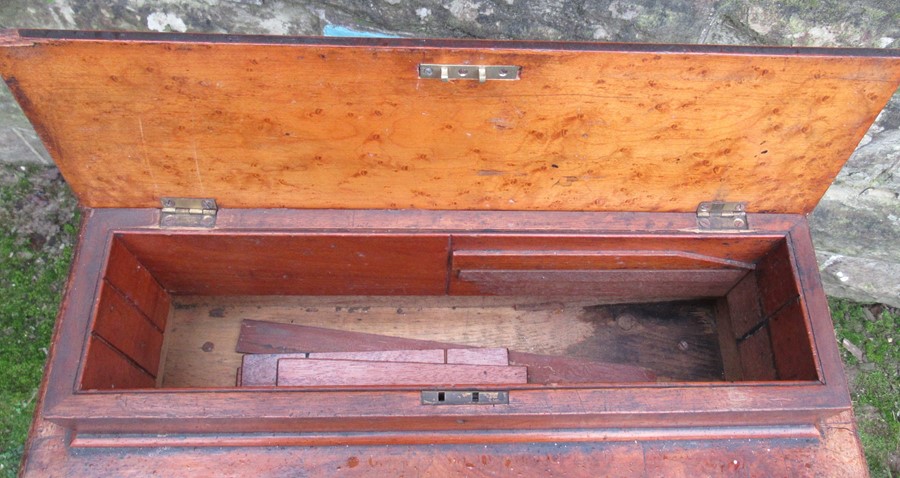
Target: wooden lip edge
x=36 y=35
x=88 y=440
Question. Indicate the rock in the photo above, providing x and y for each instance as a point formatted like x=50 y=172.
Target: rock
x=858 y=222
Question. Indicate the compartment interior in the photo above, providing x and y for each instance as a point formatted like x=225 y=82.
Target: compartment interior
x=687 y=308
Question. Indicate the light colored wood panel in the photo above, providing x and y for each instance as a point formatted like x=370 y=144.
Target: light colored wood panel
x=313 y=372
x=483 y=356
x=318 y=126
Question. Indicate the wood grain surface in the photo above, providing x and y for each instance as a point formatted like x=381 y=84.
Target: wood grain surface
x=305 y=124
x=321 y=372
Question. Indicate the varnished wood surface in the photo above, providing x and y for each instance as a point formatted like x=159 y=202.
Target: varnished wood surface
x=836 y=454
x=312 y=125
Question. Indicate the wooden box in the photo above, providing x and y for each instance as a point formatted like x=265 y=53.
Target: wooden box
x=638 y=205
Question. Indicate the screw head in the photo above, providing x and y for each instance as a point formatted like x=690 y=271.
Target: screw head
x=683 y=345
x=427 y=71
x=738 y=222
x=207 y=220
x=208 y=204
x=704 y=222
x=168 y=203
x=168 y=220
x=704 y=207
x=738 y=207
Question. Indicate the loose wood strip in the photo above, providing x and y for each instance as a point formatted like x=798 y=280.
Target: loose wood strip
x=267 y=337
x=731 y=359
x=314 y=372
x=416 y=356
x=107 y=369
x=606 y=284
x=484 y=356
x=743 y=306
x=560 y=259
x=260 y=369
x=121 y=324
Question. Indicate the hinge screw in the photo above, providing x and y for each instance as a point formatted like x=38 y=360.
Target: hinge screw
x=738 y=207
x=168 y=220
x=427 y=71
x=207 y=220
x=208 y=204
x=704 y=207
x=168 y=203
x=704 y=222
x=738 y=222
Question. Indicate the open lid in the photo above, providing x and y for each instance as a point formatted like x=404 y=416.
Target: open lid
x=268 y=122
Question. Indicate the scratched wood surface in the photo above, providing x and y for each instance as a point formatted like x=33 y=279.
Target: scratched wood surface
x=836 y=453
x=595 y=128
x=203 y=331
x=321 y=372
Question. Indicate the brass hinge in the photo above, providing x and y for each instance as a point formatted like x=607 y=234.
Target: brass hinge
x=188 y=212
x=722 y=216
x=482 y=73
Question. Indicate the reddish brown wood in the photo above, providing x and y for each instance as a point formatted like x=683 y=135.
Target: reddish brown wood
x=757 y=362
x=267 y=337
x=728 y=347
x=261 y=369
x=127 y=274
x=492 y=356
x=632 y=285
x=759 y=451
x=724 y=249
x=416 y=356
x=316 y=372
x=127 y=329
x=294 y=264
x=743 y=306
x=776 y=282
x=677 y=118
x=107 y=369
x=603 y=260
x=791 y=344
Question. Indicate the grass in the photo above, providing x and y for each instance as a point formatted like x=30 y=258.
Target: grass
x=37 y=232
x=34 y=263
x=875 y=380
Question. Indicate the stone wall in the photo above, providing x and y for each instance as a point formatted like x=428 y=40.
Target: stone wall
x=856 y=227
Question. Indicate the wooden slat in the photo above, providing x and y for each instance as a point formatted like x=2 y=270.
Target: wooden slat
x=574 y=260
x=313 y=372
x=126 y=328
x=492 y=356
x=261 y=369
x=295 y=264
x=627 y=285
x=107 y=369
x=127 y=274
x=307 y=124
x=470 y=251
x=269 y=337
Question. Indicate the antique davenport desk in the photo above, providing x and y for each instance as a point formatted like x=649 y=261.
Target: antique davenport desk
x=637 y=208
